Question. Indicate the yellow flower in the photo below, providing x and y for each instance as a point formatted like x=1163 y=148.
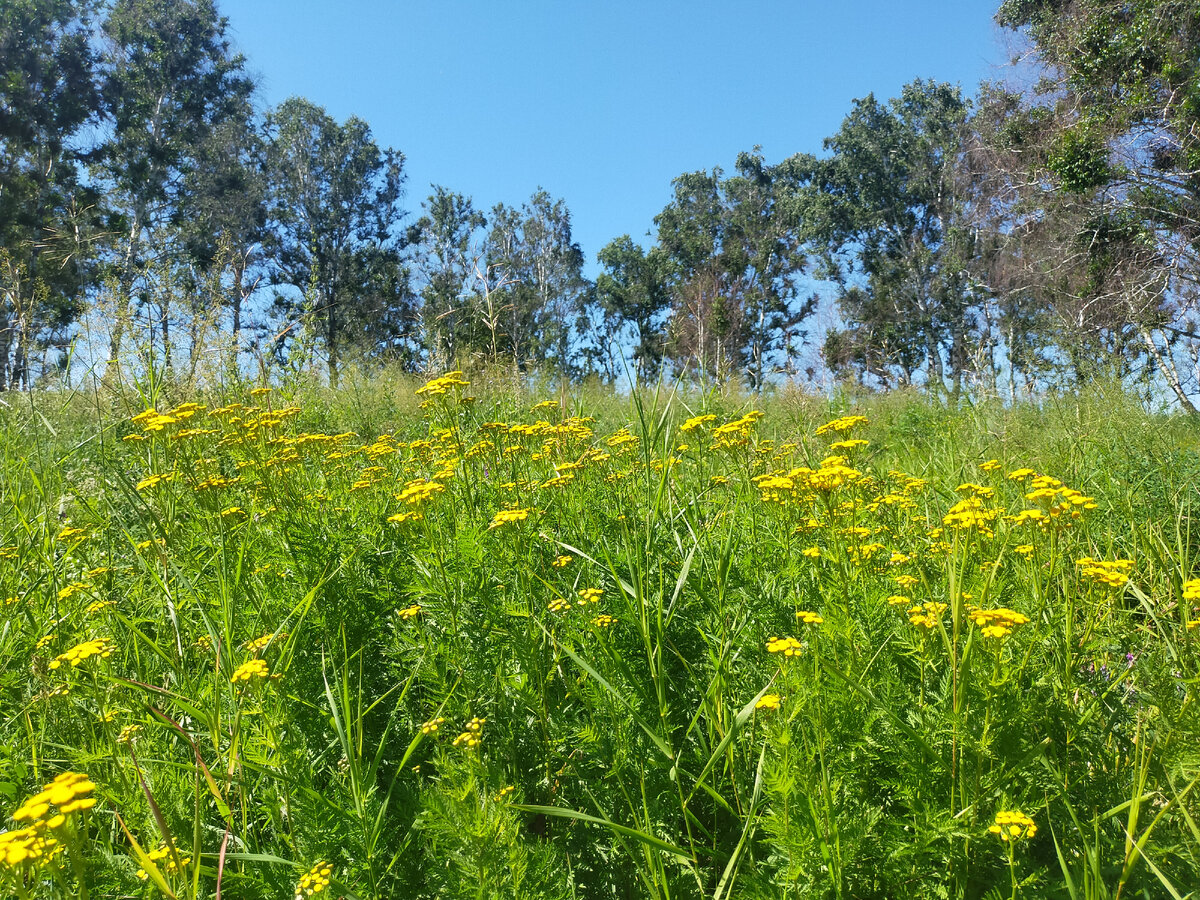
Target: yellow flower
x=768 y=701
x=696 y=423
x=101 y=647
x=997 y=623
x=432 y=725
x=787 y=646
x=1111 y=573
x=508 y=517
x=248 y=671
x=261 y=643
x=561 y=562
x=471 y=735
x=845 y=423
x=809 y=618
x=439 y=386
x=409 y=612
x=590 y=595
x=314 y=880
x=927 y=615
x=812 y=552
x=604 y=621
x=1012 y=825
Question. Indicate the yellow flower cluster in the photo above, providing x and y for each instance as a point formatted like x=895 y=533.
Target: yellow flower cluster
x=70 y=792
x=997 y=623
x=971 y=513
x=604 y=621
x=927 y=615
x=768 y=701
x=261 y=643
x=314 y=880
x=1011 y=825
x=432 y=725
x=419 y=492
x=471 y=735
x=38 y=841
x=1191 y=589
x=508 y=517
x=843 y=424
x=101 y=647
x=436 y=387
x=128 y=733
x=248 y=671
x=788 y=646
x=1113 y=573
x=696 y=423
x=409 y=612
x=809 y=618
x=164 y=859
x=561 y=562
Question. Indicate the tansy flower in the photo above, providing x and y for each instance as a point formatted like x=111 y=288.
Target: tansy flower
x=470 y=737
x=812 y=552
x=768 y=701
x=432 y=725
x=604 y=621
x=590 y=595
x=508 y=517
x=809 y=618
x=101 y=647
x=997 y=623
x=787 y=646
x=248 y=671
x=409 y=612
x=1011 y=825
x=561 y=562
x=314 y=881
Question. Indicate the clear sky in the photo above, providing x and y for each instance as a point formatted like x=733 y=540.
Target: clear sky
x=602 y=103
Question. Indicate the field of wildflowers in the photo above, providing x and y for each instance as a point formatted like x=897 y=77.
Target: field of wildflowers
x=257 y=647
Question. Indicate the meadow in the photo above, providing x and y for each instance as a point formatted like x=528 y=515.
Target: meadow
x=467 y=640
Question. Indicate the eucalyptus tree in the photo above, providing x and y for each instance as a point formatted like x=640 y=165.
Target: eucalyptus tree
x=733 y=254
x=632 y=291
x=48 y=97
x=223 y=217
x=336 y=238
x=169 y=78
x=884 y=214
x=1116 y=157
x=448 y=261
x=542 y=302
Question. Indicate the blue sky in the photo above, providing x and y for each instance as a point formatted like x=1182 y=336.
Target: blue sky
x=602 y=103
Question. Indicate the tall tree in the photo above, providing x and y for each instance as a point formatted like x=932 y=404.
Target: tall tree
x=170 y=78
x=884 y=214
x=734 y=254
x=448 y=261
x=632 y=291
x=223 y=216
x=1119 y=148
x=48 y=95
x=336 y=237
x=546 y=294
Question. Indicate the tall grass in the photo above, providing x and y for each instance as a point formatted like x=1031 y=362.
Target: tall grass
x=386 y=644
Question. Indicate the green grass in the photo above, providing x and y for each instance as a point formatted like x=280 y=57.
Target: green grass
x=660 y=752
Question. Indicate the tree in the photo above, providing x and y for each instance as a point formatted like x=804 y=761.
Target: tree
x=169 y=80
x=1118 y=155
x=448 y=258
x=336 y=236
x=734 y=254
x=545 y=294
x=48 y=94
x=223 y=214
x=884 y=212
x=633 y=291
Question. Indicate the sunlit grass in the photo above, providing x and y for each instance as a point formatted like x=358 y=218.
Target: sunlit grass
x=404 y=643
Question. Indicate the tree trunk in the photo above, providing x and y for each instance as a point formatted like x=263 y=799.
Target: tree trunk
x=1167 y=367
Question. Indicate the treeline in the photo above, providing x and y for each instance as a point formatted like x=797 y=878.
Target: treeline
x=1025 y=237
